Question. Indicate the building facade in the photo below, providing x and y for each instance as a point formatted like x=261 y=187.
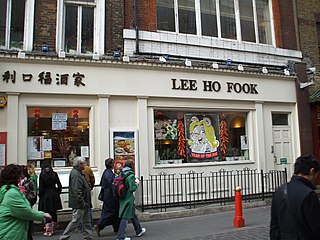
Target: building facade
x=176 y=86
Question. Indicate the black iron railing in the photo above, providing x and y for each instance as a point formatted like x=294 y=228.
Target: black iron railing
x=190 y=189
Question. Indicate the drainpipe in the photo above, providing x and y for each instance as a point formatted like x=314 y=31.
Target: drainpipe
x=296 y=24
x=136 y=24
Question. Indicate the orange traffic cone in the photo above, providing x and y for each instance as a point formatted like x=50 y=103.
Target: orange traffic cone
x=238 y=218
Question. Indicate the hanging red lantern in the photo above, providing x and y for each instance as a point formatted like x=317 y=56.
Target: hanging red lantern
x=75 y=117
x=37 y=118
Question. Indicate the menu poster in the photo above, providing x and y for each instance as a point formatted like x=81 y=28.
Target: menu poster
x=123 y=144
x=35 y=148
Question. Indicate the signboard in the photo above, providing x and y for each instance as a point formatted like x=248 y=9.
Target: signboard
x=59 y=121
x=283 y=160
x=3 y=102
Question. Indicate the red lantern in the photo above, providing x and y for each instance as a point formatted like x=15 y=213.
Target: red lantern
x=75 y=117
x=37 y=118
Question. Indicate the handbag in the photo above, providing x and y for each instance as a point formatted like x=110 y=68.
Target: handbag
x=100 y=197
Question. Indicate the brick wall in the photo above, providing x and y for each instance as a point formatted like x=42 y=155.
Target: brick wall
x=45 y=24
x=114 y=25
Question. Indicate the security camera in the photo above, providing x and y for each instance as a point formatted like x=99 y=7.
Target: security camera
x=312 y=70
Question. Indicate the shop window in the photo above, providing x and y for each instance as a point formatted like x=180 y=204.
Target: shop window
x=12 y=18
x=194 y=137
x=57 y=135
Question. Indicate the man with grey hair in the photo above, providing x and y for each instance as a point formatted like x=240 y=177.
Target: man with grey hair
x=79 y=200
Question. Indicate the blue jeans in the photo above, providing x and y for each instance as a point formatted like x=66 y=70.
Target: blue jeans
x=123 y=224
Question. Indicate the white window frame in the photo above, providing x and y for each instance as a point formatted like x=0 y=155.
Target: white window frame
x=237 y=16
x=28 y=25
x=98 y=32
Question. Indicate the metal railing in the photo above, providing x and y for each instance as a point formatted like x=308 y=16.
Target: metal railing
x=190 y=189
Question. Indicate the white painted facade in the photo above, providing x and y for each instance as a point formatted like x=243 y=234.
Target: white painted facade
x=123 y=96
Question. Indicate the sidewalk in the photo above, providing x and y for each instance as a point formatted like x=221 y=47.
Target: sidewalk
x=210 y=222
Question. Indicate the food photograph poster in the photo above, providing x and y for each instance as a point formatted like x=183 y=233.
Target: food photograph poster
x=123 y=147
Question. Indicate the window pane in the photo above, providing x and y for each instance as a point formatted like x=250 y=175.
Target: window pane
x=87 y=30
x=192 y=137
x=264 y=25
x=165 y=15
x=17 y=24
x=247 y=21
x=187 y=16
x=71 y=28
x=3 y=7
x=279 y=119
x=227 y=18
x=209 y=18
x=57 y=134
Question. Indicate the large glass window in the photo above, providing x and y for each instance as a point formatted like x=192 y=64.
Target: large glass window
x=79 y=25
x=193 y=137
x=57 y=135
x=165 y=15
x=12 y=18
x=209 y=18
x=218 y=18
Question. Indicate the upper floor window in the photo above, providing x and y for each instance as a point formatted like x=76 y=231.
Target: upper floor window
x=12 y=17
x=243 y=20
x=80 y=26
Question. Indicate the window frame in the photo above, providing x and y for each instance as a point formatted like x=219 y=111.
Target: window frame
x=28 y=25
x=98 y=30
x=238 y=37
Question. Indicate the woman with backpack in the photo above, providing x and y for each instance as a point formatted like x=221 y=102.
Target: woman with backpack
x=49 y=196
x=110 y=208
x=127 y=208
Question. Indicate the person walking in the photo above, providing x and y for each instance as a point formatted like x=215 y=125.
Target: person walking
x=295 y=209
x=27 y=187
x=15 y=210
x=50 y=189
x=79 y=200
x=127 y=208
x=110 y=208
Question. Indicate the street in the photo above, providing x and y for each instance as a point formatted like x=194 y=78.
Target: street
x=217 y=226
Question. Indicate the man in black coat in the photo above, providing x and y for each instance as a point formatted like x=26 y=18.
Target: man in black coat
x=295 y=210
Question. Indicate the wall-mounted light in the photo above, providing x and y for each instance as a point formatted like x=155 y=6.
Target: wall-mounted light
x=21 y=55
x=286 y=72
x=162 y=59
x=116 y=53
x=96 y=56
x=237 y=122
x=188 y=62
x=240 y=67
x=62 y=54
x=125 y=59
x=215 y=65
x=44 y=47
x=228 y=62
x=264 y=70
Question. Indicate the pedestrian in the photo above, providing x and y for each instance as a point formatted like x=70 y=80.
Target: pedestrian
x=110 y=207
x=15 y=210
x=79 y=200
x=89 y=176
x=127 y=207
x=295 y=210
x=27 y=187
x=33 y=176
x=50 y=189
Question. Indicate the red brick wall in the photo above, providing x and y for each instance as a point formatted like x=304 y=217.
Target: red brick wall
x=45 y=24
